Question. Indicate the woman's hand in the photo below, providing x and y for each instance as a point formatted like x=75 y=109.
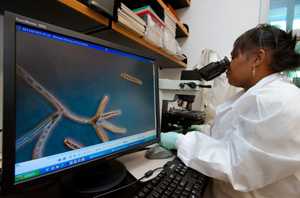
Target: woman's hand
x=168 y=140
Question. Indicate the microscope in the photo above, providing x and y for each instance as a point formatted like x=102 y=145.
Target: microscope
x=176 y=99
x=177 y=96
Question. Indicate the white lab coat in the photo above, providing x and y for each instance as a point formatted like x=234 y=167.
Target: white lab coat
x=254 y=150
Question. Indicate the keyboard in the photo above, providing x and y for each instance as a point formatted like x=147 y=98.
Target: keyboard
x=175 y=181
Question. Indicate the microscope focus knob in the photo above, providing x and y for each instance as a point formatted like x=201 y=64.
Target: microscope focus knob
x=191 y=85
x=181 y=85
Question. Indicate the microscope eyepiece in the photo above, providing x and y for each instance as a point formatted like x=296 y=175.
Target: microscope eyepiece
x=214 y=69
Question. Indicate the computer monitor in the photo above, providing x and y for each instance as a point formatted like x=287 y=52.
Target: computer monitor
x=71 y=100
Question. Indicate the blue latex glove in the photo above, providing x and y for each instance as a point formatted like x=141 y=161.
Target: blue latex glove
x=168 y=140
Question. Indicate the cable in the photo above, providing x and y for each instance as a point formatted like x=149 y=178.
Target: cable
x=146 y=175
x=149 y=173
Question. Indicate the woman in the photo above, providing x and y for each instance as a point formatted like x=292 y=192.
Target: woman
x=254 y=150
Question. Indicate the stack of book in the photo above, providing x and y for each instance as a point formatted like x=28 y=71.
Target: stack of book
x=170 y=24
x=169 y=42
x=155 y=25
x=146 y=12
x=131 y=20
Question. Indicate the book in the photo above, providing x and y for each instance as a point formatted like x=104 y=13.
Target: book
x=133 y=15
x=125 y=23
x=133 y=22
x=147 y=10
x=130 y=23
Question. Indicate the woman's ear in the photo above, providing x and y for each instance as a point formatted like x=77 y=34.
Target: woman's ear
x=260 y=58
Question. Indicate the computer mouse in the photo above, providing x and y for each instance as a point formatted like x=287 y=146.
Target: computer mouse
x=158 y=152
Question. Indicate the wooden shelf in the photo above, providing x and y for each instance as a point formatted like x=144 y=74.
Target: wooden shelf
x=83 y=9
x=181 y=30
x=163 y=58
x=177 y=4
x=135 y=37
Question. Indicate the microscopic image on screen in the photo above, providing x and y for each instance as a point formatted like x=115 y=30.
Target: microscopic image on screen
x=72 y=94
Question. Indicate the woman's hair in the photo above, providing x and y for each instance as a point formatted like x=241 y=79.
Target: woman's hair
x=280 y=43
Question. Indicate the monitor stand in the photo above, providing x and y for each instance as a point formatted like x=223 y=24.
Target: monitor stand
x=95 y=180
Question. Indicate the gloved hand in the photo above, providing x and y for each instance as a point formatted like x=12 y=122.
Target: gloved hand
x=168 y=140
x=204 y=128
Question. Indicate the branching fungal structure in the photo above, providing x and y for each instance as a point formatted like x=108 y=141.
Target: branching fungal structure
x=44 y=129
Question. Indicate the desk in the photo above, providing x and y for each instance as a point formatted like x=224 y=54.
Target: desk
x=138 y=165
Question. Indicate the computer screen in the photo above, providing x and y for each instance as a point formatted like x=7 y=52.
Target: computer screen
x=77 y=101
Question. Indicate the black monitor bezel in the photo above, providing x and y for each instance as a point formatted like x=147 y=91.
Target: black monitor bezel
x=9 y=101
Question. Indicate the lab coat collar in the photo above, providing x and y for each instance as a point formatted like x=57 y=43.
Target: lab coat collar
x=264 y=81
x=261 y=83
x=240 y=95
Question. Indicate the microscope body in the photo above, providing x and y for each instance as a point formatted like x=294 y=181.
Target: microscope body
x=176 y=99
x=177 y=96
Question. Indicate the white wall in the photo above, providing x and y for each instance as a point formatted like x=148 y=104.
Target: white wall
x=215 y=24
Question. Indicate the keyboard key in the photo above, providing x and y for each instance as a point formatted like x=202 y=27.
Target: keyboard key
x=187 y=189
x=155 y=194
x=165 y=183
x=176 y=181
x=194 y=192
x=182 y=184
x=178 y=178
x=168 y=192
x=159 y=190
x=185 y=193
x=154 y=181
x=149 y=186
x=146 y=190
x=197 y=186
x=163 y=186
x=141 y=194
x=180 y=188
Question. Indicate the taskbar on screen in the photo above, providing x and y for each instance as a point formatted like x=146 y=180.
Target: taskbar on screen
x=50 y=164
